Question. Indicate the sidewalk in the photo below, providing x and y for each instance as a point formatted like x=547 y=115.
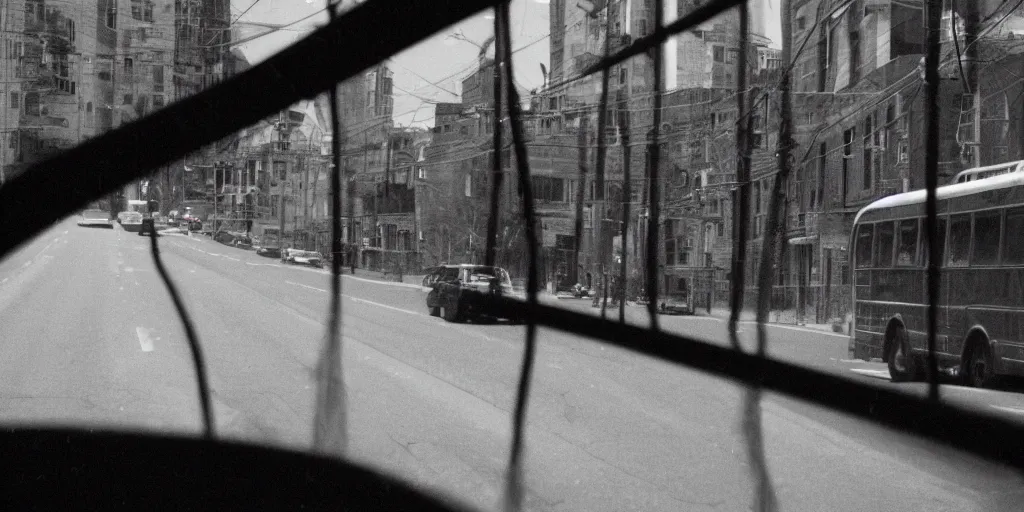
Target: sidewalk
x=783 y=318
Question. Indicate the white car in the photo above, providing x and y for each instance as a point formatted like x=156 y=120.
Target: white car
x=96 y=218
x=299 y=257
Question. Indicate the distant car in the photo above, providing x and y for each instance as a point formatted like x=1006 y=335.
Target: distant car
x=299 y=257
x=96 y=219
x=270 y=252
x=676 y=304
x=448 y=285
x=130 y=221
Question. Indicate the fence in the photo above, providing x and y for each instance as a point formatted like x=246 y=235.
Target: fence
x=317 y=60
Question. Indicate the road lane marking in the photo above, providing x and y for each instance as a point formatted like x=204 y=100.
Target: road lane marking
x=5 y=280
x=378 y=304
x=66 y=231
x=263 y=264
x=1014 y=410
x=880 y=374
x=230 y=258
x=145 y=341
x=128 y=269
x=307 y=286
x=385 y=283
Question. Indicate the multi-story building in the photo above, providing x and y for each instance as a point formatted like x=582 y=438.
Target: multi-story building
x=860 y=122
x=365 y=106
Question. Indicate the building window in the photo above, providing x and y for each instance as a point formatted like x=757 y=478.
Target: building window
x=643 y=28
x=112 y=15
x=158 y=79
x=718 y=53
x=281 y=170
x=32 y=104
x=71 y=30
x=15 y=100
x=158 y=100
x=129 y=65
x=128 y=99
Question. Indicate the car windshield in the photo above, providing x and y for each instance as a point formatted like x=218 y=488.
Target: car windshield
x=640 y=198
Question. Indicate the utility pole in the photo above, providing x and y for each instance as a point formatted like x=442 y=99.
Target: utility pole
x=216 y=166
x=627 y=197
x=969 y=11
x=580 y=197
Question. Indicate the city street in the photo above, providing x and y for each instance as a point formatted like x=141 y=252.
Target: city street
x=90 y=337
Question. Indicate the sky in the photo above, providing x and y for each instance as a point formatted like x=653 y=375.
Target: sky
x=431 y=71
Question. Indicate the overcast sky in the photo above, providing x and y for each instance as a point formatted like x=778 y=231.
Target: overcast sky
x=433 y=70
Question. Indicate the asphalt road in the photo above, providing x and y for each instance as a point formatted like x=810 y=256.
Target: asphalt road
x=90 y=337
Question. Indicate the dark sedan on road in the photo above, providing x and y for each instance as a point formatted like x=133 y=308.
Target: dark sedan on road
x=450 y=286
x=96 y=219
x=299 y=257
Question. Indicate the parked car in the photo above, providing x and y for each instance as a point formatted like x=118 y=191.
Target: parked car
x=130 y=221
x=679 y=303
x=448 y=297
x=300 y=257
x=432 y=274
x=96 y=219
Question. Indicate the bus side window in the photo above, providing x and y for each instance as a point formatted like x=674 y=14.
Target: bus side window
x=886 y=231
x=864 y=245
x=1013 y=246
x=906 y=251
x=941 y=228
x=986 y=238
x=959 y=240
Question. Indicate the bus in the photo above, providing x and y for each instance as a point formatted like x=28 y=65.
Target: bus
x=988 y=171
x=980 y=331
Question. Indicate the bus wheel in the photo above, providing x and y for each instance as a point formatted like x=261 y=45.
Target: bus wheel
x=902 y=365
x=978 y=365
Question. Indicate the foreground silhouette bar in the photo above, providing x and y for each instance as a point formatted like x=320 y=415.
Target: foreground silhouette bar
x=985 y=435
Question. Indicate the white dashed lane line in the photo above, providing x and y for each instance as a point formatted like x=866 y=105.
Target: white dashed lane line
x=145 y=338
x=879 y=374
x=306 y=286
x=1013 y=410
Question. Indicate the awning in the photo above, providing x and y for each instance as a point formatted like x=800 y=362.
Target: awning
x=803 y=240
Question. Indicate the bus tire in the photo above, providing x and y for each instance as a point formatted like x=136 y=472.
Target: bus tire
x=978 y=363
x=902 y=364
